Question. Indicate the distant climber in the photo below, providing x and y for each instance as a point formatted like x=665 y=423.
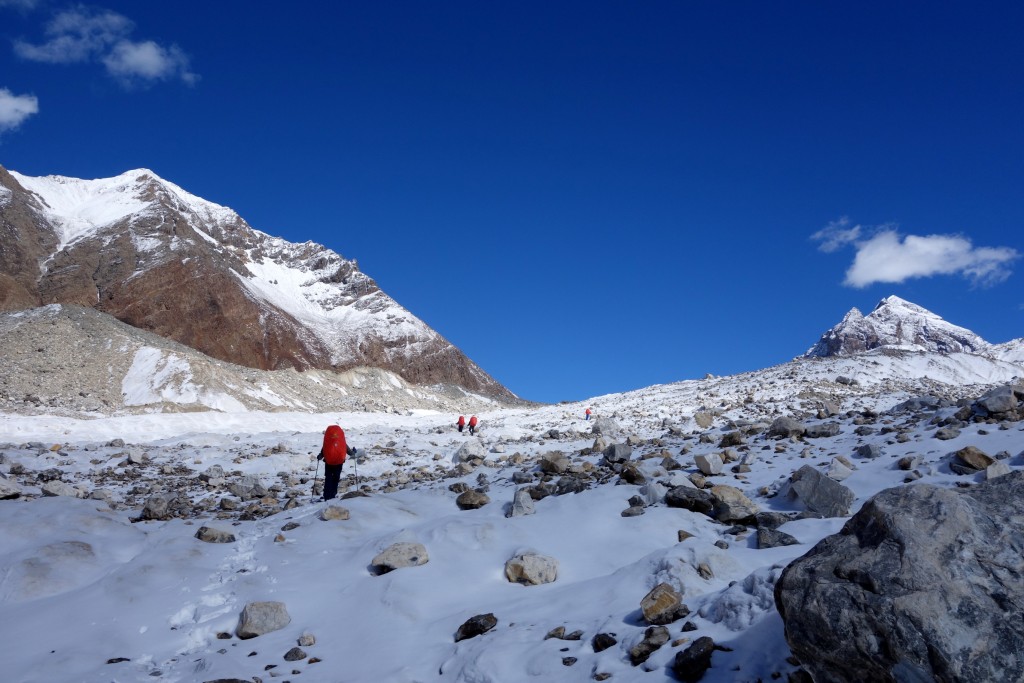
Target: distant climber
x=472 y=424
x=587 y=413
x=461 y=423
x=334 y=452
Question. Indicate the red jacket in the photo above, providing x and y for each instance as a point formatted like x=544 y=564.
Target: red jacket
x=462 y=420
x=335 y=449
x=472 y=421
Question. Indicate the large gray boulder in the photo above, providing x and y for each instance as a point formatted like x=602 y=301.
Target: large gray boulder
x=605 y=426
x=923 y=584
x=819 y=493
x=258 y=618
x=473 y=449
x=999 y=400
x=399 y=555
x=9 y=489
x=731 y=505
x=786 y=426
x=522 y=504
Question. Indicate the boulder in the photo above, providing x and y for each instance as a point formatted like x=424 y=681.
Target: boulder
x=59 y=488
x=999 y=400
x=617 y=453
x=522 y=504
x=663 y=605
x=731 y=505
x=654 y=638
x=709 y=464
x=9 y=489
x=531 y=569
x=554 y=462
x=731 y=439
x=784 y=427
x=822 y=431
x=473 y=449
x=603 y=641
x=690 y=498
x=248 y=487
x=475 y=626
x=773 y=538
x=209 y=534
x=162 y=506
x=974 y=458
x=996 y=469
x=213 y=474
x=691 y=664
x=869 y=451
x=837 y=470
x=653 y=493
x=820 y=494
x=605 y=426
x=334 y=513
x=258 y=618
x=399 y=555
x=922 y=584
x=472 y=500
x=703 y=418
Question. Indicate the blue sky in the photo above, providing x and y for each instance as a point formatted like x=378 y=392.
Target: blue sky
x=584 y=197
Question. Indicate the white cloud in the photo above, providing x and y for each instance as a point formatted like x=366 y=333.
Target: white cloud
x=836 y=234
x=88 y=35
x=892 y=258
x=14 y=109
x=19 y=4
x=76 y=35
x=130 y=62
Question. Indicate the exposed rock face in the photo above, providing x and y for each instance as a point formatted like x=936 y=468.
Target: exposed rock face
x=922 y=584
x=166 y=261
x=895 y=322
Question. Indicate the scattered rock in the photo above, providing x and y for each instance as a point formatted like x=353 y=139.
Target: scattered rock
x=731 y=505
x=522 y=504
x=603 y=641
x=654 y=638
x=709 y=464
x=475 y=626
x=974 y=458
x=472 y=500
x=209 y=534
x=662 y=605
x=696 y=500
x=691 y=664
x=773 y=538
x=334 y=512
x=295 y=654
x=784 y=427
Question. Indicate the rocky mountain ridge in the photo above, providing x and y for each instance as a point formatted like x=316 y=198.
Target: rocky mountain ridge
x=158 y=258
x=895 y=322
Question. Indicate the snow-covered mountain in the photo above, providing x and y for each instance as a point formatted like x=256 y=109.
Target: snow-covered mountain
x=896 y=323
x=152 y=255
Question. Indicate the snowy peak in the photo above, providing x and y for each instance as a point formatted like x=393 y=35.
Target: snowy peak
x=895 y=322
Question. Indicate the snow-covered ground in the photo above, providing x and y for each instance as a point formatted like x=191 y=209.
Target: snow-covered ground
x=88 y=595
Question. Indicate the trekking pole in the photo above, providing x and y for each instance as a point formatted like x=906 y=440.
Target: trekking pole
x=315 y=478
x=355 y=461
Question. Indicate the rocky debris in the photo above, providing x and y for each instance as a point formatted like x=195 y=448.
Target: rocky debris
x=603 y=641
x=785 y=427
x=654 y=638
x=773 y=538
x=335 y=513
x=211 y=535
x=213 y=475
x=922 y=584
x=663 y=605
x=731 y=505
x=691 y=664
x=258 y=618
x=399 y=555
x=475 y=626
x=522 y=504
x=709 y=464
x=820 y=494
x=247 y=488
x=472 y=500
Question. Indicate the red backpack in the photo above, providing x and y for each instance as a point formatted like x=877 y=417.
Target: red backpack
x=335 y=449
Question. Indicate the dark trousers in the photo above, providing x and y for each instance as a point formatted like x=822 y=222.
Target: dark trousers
x=332 y=474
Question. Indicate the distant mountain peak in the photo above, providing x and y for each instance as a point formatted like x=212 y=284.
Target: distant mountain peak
x=896 y=322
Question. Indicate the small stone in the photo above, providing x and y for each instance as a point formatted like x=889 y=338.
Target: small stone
x=294 y=654
x=475 y=626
